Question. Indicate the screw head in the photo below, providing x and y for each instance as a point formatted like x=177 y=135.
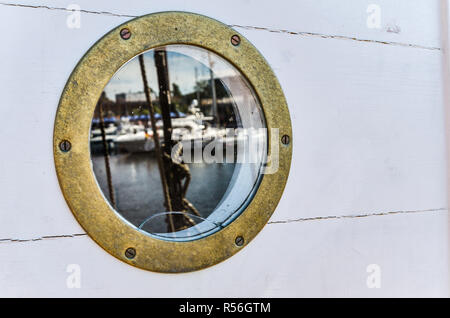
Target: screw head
x=285 y=140
x=235 y=40
x=239 y=241
x=125 y=33
x=65 y=146
x=130 y=253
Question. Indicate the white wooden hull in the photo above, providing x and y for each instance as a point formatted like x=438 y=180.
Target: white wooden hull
x=368 y=183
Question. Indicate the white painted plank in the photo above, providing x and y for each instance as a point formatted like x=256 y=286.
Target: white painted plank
x=406 y=21
x=35 y=67
x=368 y=126
x=367 y=119
x=316 y=258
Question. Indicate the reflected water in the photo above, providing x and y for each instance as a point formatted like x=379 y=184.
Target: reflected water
x=140 y=196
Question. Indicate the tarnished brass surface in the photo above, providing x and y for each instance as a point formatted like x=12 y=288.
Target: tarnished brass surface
x=73 y=120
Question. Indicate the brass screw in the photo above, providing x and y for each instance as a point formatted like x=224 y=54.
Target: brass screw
x=125 y=33
x=65 y=146
x=130 y=253
x=285 y=140
x=239 y=241
x=235 y=40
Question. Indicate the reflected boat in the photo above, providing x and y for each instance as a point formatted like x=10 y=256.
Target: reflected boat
x=189 y=130
x=96 y=140
x=134 y=138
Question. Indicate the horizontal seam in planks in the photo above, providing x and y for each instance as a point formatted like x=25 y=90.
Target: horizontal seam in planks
x=339 y=37
x=280 y=31
x=320 y=218
x=354 y=216
x=47 y=237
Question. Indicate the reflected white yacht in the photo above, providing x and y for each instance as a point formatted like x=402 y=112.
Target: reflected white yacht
x=96 y=140
x=134 y=138
x=189 y=129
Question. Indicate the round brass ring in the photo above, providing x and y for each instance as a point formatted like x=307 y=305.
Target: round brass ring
x=73 y=120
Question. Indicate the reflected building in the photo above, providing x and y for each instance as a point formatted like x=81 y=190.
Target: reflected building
x=124 y=105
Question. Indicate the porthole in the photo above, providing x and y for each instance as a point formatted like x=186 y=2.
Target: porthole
x=172 y=142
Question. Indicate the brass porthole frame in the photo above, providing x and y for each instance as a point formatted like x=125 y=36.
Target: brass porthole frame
x=72 y=132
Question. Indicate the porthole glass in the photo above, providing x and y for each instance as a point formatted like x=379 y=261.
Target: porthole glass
x=178 y=142
x=172 y=142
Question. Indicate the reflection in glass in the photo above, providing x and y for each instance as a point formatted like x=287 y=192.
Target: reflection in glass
x=178 y=142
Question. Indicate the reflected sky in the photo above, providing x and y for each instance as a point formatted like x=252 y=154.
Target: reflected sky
x=183 y=70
